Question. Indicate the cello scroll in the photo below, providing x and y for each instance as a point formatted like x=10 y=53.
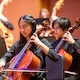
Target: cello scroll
x=71 y=29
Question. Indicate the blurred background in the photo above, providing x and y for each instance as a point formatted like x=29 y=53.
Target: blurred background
x=17 y=8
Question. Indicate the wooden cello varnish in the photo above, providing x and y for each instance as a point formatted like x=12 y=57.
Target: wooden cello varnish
x=30 y=61
x=67 y=58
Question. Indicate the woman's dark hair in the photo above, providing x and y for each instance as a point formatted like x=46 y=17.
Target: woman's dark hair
x=30 y=20
x=63 y=22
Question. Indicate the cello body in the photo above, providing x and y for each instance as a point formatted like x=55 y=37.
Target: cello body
x=67 y=58
x=29 y=61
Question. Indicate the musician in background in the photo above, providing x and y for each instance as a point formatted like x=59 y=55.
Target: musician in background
x=7 y=25
x=44 y=13
x=3 y=19
x=71 y=45
x=40 y=48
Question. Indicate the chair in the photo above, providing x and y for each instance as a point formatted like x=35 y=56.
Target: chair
x=55 y=69
x=3 y=48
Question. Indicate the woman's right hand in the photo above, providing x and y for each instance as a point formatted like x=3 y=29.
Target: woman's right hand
x=2 y=64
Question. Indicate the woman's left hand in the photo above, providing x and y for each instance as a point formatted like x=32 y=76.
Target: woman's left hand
x=68 y=37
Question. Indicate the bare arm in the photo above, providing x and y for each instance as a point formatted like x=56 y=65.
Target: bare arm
x=2 y=7
x=55 y=9
x=2 y=17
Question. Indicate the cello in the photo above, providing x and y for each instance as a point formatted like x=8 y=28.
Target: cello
x=7 y=35
x=67 y=57
x=47 y=29
x=24 y=60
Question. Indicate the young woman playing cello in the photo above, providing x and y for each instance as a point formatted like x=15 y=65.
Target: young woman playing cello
x=70 y=46
x=40 y=48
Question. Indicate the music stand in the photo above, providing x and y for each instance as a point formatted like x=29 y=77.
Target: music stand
x=40 y=20
x=49 y=38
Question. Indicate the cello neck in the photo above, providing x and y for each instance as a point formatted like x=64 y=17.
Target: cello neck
x=19 y=56
x=58 y=46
